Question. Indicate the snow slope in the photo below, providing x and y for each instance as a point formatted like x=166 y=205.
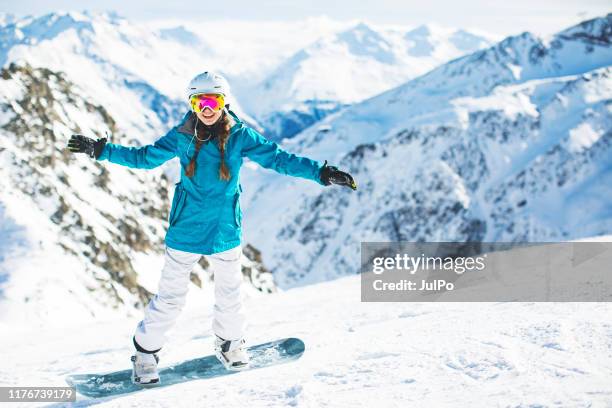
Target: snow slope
x=357 y=354
x=511 y=143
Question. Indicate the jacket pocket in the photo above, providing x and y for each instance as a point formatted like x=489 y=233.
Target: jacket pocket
x=237 y=212
x=177 y=203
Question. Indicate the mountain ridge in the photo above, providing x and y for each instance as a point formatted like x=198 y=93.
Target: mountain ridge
x=476 y=149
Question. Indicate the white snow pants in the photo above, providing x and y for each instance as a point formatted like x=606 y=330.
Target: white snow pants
x=163 y=309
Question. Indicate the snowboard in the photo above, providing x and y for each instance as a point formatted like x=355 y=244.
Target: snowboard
x=120 y=382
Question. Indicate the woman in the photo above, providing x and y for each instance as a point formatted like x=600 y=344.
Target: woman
x=205 y=217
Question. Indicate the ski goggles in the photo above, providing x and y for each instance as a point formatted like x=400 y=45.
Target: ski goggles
x=199 y=102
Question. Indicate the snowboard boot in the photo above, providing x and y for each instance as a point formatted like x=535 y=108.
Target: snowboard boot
x=144 y=368
x=232 y=353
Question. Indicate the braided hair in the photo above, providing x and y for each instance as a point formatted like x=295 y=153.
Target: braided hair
x=220 y=131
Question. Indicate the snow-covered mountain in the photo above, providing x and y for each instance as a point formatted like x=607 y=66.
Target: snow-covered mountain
x=139 y=71
x=78 y=238
x=509 y=143
x=348 y=67
x=138 y=74
x=247 y=50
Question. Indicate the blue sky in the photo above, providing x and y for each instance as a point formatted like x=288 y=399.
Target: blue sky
x=499 y=17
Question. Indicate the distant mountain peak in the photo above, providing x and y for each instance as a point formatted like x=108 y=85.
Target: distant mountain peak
x=361 y=26
x=597 y=30
x=420 y=31
x=48 y=26
x=180 y=34
x=423 y=40
x=365 y=41
x=360 y=31
x=467 y=41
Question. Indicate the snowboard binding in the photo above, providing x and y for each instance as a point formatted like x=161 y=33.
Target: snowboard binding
x=144 y=369
x=232 y=354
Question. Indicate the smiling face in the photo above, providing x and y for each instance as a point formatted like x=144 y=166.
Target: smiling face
x=208 y=116
x=208 y=107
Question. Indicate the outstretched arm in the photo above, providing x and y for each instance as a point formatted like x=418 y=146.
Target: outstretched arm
x=144 y=157
x=269 y=155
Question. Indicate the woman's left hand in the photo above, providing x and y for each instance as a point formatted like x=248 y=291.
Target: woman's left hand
x=331 y=175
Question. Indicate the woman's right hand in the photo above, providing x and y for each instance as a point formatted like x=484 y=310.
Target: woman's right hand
x=84 y=144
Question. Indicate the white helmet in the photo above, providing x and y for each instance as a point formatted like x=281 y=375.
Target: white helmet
x=207 y=82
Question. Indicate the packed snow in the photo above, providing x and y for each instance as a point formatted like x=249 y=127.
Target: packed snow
x=357 y=354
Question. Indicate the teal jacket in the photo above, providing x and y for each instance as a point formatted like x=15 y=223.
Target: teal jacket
x=205 y=217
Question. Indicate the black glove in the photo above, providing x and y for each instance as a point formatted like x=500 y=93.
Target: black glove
x=83 y=144
x=331 y=175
